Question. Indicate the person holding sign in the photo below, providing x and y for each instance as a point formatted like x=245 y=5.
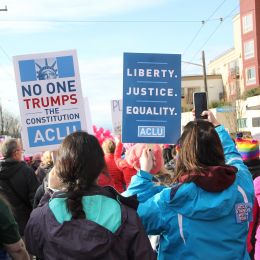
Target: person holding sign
x=83 y=220
x=206 y=212
x=130 y=164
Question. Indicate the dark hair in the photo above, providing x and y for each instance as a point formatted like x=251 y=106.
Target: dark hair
x=80 y=160
x=200 y=147
x=167 y=154
x=9 y=147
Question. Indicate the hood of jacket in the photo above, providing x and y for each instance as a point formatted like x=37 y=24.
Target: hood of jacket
x=211 y=196
x=212 y=178
x=8 y=167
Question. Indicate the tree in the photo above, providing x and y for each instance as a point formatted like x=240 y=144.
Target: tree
x=9 y=124
x=236 y=115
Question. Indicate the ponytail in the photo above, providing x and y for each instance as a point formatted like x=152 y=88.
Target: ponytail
x=79 y=162
x=74 y=199
x=74 y=204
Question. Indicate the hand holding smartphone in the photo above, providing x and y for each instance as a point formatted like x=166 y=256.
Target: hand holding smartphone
x=200 y=104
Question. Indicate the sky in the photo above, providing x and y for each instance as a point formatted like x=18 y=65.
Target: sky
x=102 y=30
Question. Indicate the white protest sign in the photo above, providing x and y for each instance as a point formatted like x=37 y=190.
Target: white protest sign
x=116 y=112
x=88 y=117
x=50 y=98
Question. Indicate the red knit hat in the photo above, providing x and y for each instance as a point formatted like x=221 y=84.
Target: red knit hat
x=134 y=153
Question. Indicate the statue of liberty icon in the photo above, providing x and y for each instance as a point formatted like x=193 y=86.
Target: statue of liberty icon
x=46 y=71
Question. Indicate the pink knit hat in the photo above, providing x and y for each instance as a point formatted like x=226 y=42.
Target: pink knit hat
x=134 y=153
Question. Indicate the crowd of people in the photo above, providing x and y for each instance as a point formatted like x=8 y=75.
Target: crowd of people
x=197 y=199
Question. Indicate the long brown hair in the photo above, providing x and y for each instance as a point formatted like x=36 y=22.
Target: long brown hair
x=200 y=147
x=80 y=160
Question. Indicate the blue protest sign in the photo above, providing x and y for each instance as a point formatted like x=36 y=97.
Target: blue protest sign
x=151 y=98
x=50 y=98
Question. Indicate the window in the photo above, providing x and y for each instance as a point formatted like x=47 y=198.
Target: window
x=190 y=94
x=234 y=69
x=241 y=122
x=256 y=121
x=247 y=23
x=250 y=76
x=249 y=50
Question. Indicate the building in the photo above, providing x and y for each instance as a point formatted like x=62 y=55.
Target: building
x=240 y=65
x=230 y=65
x=191 y=84
x=250 y=38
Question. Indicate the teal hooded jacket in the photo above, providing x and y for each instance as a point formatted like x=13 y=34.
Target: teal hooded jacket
x=194 y=223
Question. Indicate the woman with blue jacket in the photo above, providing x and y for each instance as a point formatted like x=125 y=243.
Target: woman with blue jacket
x=206 y=212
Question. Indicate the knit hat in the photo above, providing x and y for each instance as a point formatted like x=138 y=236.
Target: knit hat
x=134 y=153
x=248 y=148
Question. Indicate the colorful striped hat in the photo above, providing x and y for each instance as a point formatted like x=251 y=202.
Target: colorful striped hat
x=248 y=148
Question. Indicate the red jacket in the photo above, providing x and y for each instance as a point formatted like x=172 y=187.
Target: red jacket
x=115 y=174
x=127 y=170
x=105 y=180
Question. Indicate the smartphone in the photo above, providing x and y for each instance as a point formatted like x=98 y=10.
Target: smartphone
x=200 y=104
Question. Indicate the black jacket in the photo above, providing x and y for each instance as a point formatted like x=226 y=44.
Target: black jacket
x=19 y=184
x=42 y=171
x=82 y=239
x=253 y=167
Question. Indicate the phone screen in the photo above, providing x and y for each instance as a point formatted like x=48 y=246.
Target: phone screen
x=200 y=104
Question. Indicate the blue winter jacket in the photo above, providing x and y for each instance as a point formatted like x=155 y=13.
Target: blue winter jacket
x=193 y=223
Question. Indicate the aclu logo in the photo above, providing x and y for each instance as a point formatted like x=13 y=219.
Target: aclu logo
x=151 y=131
x=46 y=68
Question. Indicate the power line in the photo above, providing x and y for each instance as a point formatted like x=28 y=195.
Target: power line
x=5 y=53
x=110 y=21
x=9 y=59
x=216 y=10
x=215 y=30
x=210 y=36
x=203 y=23
x=7 y=72
x=228 y=15
x=193 y=39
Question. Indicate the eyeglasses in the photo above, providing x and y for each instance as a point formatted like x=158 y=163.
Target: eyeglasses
x=20 y=150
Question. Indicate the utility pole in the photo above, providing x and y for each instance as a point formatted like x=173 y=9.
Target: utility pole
x=204 y=72
x=203 y=65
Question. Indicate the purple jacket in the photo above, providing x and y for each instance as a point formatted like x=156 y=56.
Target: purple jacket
x=48 y=238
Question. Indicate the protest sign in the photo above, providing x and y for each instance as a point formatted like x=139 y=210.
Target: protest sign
x=88 y=117
x=50 y=98
x=116 y=112
x=151 y=98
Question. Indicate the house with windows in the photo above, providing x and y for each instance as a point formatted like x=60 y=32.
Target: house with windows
x=195 y=83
